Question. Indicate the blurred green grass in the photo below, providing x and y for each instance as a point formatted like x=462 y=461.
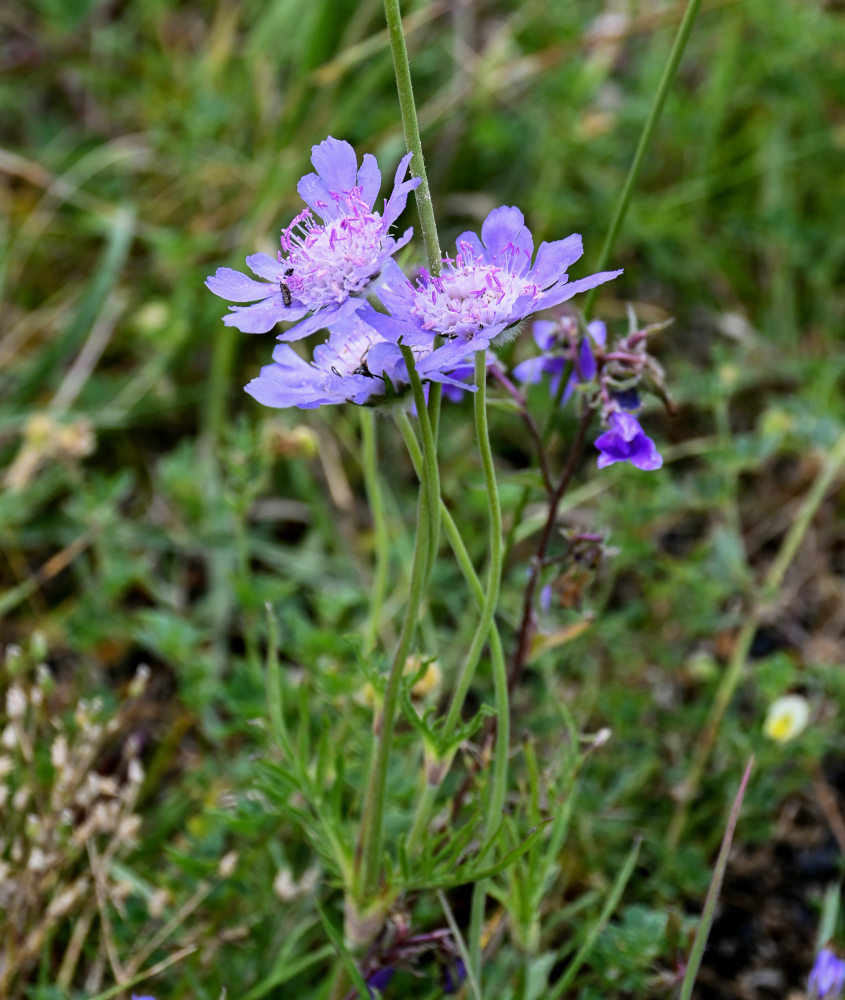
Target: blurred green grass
x=144 y=144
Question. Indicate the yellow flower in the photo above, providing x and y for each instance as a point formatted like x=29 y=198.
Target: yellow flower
x=786 y=718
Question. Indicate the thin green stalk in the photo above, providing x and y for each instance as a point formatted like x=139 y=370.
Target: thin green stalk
x=610 y=905
x=702 y=931
x=368 y=857
x=733 y=675
x=372 y=482
x=494 y=573
x=474 y=984
x=422 y=195
x=426 y=801
x=669 y=70
x=411 y=128
x=431 y=479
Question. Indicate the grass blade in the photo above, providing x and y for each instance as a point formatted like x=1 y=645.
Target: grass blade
x=703 y=929
x=605 y=915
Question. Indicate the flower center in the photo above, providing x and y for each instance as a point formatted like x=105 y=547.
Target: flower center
x=468 y=295
x=325 y=264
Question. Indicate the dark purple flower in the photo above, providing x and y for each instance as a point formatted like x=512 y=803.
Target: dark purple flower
x=553 y=360
x=453 y=977
x=626 y=441
x=827 y=976
x=379 y=980
x=490 y=286
x=331 y=252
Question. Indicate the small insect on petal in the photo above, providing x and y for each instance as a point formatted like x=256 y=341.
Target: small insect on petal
x=787 y=717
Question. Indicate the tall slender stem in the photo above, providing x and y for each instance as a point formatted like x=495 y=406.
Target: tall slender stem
x=494 y=573
x=411 y=127
x=669 y=70
x=431 y=479
x=368 y=857
x=382 y=542
x=426 y=801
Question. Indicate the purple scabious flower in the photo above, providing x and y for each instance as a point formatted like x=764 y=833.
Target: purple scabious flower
x=626 y=441
x=827 y=976
x=340 y=371
x=355 y=365
x=490 y=286
x=331 y=252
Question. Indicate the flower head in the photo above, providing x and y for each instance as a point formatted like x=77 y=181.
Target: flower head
x=489 y=286
x=626 y=441
x=330 y=253
x=827 y=977
x=355 y=365
x=787 y=718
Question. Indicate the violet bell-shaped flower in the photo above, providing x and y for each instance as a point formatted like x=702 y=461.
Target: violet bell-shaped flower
x=331 y=252
x=626 y=441
x=827 y=977
x=490 y=286
x=550 y=337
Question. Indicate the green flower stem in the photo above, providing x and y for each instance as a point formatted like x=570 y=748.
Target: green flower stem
x=736 y=667
x=411 y=127
x=431 y=478
x=425 y=804
x=491 y=596
x=368 y=857
x=663 y=88
x=382 y=541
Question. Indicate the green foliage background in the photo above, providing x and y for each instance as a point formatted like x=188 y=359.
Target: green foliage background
x=146 y=143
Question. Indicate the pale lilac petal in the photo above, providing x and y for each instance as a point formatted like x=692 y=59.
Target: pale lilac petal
x=475 y=245
x=236 y=287
x=393 y=290
x=544 y=333
x=369 y=179
x=530 y=371
x=335 y=161
x=394 y=329
x=395 y=204
x=554 y=260
x=566 y=290
x=501 y=229
x=313 y=191
x=265 y=266
x=317 y=321
x=385 y=357
x=598 y=332
x=403 y=239
x=261 y=317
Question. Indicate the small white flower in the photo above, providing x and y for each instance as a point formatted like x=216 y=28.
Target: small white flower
x=786 y=718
